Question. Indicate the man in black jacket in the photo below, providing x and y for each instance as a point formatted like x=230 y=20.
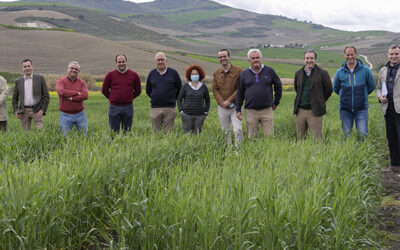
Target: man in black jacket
x=313 y=87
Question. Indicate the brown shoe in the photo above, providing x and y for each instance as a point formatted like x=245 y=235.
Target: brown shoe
x=395 y=169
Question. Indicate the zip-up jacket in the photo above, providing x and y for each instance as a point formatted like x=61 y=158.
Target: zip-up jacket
x=354 y=87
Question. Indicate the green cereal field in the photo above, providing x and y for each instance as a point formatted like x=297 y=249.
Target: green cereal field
x=150 y=191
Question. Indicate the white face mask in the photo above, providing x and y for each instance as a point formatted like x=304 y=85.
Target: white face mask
x=194 y=78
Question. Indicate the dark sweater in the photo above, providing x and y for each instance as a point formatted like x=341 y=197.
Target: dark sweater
x=196 y=102
x=258 y=95
x=120 y=88
x=163 y=89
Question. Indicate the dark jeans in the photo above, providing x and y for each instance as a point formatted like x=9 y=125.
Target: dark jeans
x=120 y=115
x=3 y=126
x=392 y=120
x=192 y=123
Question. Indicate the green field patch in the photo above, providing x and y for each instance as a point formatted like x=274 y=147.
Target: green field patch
x=179 y=191
x=193 y=16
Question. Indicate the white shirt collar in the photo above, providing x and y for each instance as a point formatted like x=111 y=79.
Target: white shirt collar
x=162 y=73
x=198 y=85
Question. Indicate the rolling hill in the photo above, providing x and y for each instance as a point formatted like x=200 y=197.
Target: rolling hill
x=102 y=28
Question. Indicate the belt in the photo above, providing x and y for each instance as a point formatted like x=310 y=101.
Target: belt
x=29 y=107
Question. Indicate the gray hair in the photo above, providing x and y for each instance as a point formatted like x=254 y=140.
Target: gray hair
x=310 y=51
x=252 y=51
x=160 y=53
x=74 y=63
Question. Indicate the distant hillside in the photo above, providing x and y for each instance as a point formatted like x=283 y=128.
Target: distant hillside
x=198 y=27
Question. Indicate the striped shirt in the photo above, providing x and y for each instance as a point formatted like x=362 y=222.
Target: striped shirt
x=28 y=91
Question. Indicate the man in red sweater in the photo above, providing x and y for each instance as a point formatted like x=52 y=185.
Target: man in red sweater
x=72 y=91
x=121 y=86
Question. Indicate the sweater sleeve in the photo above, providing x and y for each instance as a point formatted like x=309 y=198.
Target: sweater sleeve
x=178 y=83
x=84 y=93
x=105 y=89
x=138 y=87
x=240 y=93
x=180 y=97
x=277 y=89
x=148 y=85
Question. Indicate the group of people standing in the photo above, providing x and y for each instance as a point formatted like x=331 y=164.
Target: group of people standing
x=258 y=86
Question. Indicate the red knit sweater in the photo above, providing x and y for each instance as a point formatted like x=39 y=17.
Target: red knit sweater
x=121 y=88
x=67 y=89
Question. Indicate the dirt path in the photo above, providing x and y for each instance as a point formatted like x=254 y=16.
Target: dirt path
x=389 y=213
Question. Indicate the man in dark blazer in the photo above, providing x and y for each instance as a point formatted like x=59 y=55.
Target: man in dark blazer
x=30 y=98
x=313 y=87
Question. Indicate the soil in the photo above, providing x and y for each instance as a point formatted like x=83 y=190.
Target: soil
x=389 y=213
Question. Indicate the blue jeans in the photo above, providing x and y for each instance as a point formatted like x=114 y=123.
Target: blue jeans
x=360 y=118
x=67 y=121
x=118 y=115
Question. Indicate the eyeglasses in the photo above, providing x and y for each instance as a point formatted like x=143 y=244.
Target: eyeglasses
x=72 y=68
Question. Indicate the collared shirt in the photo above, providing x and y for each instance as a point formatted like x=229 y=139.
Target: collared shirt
x=162 y=73
x=227 y=70
x=308 y=74
x=198 y=85
x=28 y=91
x=261 y=68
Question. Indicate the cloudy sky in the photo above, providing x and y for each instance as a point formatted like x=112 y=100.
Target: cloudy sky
x=340 y=14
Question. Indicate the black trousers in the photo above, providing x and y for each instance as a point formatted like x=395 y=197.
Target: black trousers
x=392 y=120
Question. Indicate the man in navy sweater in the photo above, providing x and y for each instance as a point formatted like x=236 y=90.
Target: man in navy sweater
x=163 y=86
x=257 y=85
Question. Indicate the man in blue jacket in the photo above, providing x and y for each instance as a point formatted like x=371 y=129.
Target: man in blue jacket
x=353 y=83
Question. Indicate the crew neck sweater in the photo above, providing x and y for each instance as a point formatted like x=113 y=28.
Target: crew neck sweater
x=121 y=88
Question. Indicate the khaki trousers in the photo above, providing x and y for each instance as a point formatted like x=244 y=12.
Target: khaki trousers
x=27 y=120
x=264 y=117
x=226 y=117
x=305 y=119
x=162 y=117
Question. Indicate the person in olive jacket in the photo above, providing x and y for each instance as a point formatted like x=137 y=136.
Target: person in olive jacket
x=313 y=87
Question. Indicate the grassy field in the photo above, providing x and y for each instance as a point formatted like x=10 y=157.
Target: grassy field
x=150 y=191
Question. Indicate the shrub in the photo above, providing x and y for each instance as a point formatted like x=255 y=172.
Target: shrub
x=51 y=80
